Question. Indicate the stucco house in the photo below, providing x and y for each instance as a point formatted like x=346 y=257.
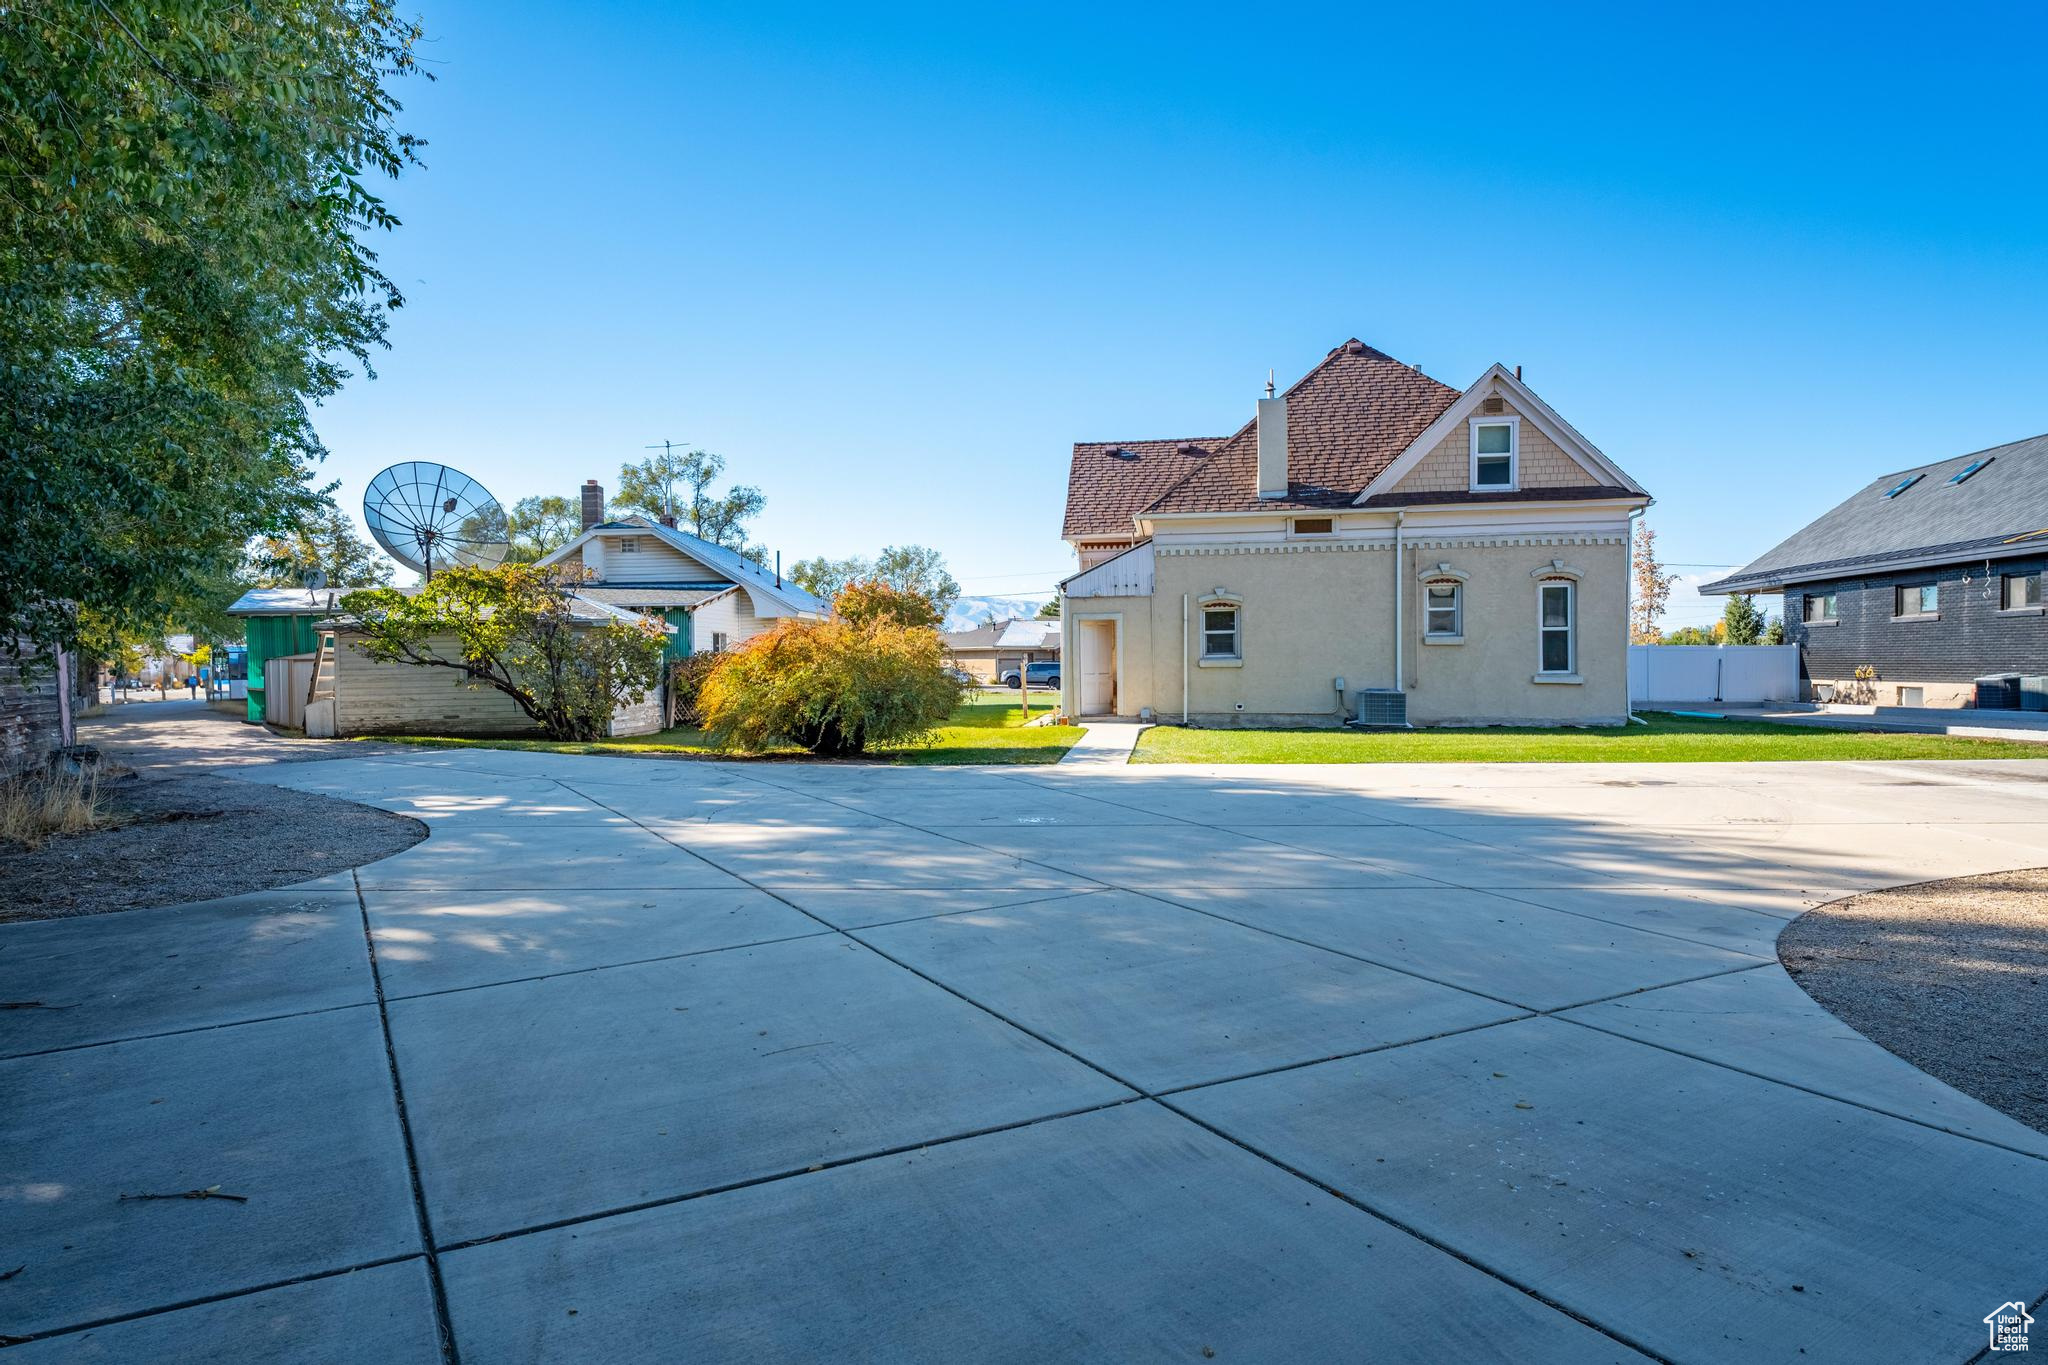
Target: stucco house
x=1373 y=545
x=713 y=597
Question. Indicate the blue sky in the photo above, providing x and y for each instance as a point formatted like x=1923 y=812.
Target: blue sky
x=892 y=265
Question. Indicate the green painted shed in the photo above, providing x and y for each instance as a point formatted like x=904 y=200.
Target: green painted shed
x=278 y=622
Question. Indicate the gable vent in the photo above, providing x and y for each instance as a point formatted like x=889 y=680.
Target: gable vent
x=1494 y=406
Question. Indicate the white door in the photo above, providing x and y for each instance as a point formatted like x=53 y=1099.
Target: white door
x=1098 y=668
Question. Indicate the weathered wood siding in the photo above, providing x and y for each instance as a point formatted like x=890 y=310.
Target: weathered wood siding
x=405 y=699
x=30 y=715
x=641 y=719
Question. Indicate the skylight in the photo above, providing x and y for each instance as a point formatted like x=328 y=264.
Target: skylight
x=1903 y=484
x=1968 y=470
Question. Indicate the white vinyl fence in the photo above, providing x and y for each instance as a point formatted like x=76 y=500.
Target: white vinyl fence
x=1710 y=673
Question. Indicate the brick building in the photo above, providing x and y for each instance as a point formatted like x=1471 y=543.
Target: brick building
x=1920 y=582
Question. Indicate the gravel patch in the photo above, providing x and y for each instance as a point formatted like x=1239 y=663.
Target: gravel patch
x=192 y=837
x=1952 y=976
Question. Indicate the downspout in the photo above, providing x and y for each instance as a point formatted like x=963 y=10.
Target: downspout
x=1400 y=669
x=1183 y=658
x=1628 y=681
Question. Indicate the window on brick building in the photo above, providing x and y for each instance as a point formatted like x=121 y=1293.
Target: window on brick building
x=2022 y=590
x=1922 y=599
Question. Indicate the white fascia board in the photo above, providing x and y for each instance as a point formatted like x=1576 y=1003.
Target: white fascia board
x=1871 y=568
x=1525 y=401
x=556 y=556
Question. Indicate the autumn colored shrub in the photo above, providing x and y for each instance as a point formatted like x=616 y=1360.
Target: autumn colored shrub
x=833 y=687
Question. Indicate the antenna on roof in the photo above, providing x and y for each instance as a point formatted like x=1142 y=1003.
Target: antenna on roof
x=1269 y=383
x=668 y=493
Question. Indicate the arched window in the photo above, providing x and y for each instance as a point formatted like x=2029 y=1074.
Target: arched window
x=1557 y=621
x=1443 y=605
x=1222 y=628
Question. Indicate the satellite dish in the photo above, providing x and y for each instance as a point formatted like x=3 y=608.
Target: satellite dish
x=428 y=515
x=314 y=580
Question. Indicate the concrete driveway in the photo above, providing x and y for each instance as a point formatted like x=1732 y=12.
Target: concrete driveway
x=643 y=1061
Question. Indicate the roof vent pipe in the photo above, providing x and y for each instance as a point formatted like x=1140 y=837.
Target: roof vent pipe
x=1272 y=444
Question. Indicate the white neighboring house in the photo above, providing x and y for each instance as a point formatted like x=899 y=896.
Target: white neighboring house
x=713 y=597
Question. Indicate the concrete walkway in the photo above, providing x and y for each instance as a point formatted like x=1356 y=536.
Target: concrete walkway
x=1105 y=742
x=645 y=1061
x=1963 y=722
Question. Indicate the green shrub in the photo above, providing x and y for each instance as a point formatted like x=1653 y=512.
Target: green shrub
x=830 y=686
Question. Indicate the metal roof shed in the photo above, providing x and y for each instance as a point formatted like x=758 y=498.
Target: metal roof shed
x=278 y=622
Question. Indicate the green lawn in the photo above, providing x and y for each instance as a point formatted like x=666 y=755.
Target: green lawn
x=1665 y=739
x=988 y=728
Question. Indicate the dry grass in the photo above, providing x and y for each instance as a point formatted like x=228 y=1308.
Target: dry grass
x=37 y=806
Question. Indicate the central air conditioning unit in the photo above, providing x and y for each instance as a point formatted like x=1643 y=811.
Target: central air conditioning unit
x=1383 y=708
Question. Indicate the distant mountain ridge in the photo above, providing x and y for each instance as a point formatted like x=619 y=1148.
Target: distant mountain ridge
x=969 y=612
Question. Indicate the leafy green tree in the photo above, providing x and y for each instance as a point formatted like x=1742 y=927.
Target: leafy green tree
x=915 y=569
x=541 y=525
x=325 y=544
x=185 y=270
x=1687 y=635
x=919 y=569
x=514 y=631
x=833 y=687
x=680 y=484
x=1741 y=622
x=824 y=577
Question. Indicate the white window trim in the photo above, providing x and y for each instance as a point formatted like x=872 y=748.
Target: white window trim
x=1456 y=582
x=629 y=545
x=1570 y=672
x=1514 y=426
x=1218 y=602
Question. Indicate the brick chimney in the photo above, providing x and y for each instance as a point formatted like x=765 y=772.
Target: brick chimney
x=593 y=503
x=667 y=519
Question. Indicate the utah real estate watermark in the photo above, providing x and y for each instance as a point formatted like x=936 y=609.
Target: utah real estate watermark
x=2008 y=1324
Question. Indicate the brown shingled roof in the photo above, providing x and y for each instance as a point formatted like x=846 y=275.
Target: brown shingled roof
x=1347 y=419
x=1110 y=480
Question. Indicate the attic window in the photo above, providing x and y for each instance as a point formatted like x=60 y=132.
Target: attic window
x=1495 y=444
x=1968 y=470
x=1314 y=526
x=1903 y=484
x=629 y=545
